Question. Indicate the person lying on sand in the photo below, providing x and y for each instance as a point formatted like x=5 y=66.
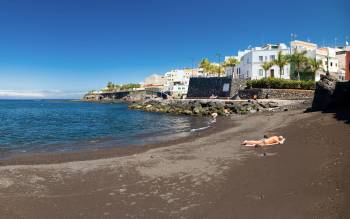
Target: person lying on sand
x=265 y=142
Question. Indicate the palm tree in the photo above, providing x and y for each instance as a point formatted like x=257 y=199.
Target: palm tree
x=281 y=61
x=219 y=69
x=214 y=69
x=266 y=66
x=315 y=65
x=110 y=86
x=205 y=64
x=231 y=62
x=298 y=59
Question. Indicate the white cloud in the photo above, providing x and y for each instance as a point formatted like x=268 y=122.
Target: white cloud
x=25 y=94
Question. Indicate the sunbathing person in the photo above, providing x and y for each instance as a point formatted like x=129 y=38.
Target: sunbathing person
x=265 y=142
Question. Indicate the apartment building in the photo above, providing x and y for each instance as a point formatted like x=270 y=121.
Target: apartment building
x=251 y=61
x=326 y=54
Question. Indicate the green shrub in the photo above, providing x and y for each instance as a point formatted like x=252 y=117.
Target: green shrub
x=278 y=83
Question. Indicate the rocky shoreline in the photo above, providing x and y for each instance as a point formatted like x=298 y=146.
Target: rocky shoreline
x=205 y=107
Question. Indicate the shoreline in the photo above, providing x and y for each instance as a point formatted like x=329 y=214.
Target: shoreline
x=54 y=157
x=211 y=176
x=57 y=157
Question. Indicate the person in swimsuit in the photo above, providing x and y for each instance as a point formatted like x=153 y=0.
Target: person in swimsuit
x=264 y=142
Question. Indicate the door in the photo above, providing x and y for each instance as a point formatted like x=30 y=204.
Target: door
x=272 y=73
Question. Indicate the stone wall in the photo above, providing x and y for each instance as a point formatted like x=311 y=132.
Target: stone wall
x=206 y=87
x=236 y=86
x=282 y=94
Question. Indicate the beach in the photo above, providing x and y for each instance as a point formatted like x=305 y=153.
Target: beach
x=209 y=175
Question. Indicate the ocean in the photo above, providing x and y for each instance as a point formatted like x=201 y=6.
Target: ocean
x=28 y=126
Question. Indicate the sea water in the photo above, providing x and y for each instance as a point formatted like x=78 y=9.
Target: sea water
x=64 y=125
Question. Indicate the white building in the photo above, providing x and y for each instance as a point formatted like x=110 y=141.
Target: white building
x=327 y=55
x=177 y=81
x=251 y=61
x=343 y=56
x=154 y=82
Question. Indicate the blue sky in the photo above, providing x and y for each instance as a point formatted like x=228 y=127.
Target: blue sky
x=62 y=48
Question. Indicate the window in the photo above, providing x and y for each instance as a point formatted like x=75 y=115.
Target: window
x=331 y=63
x=261 y=72
x=272 y=57
x=261 y=58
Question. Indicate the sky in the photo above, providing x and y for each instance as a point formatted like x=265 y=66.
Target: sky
x=63 y=48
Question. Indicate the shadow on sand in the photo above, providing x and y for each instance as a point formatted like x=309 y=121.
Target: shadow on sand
x=340 y=113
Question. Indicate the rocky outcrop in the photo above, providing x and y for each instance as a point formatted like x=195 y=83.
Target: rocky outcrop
x=207 y=107
x=331 y=93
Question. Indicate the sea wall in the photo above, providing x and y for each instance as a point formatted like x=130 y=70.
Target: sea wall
x=206 y=87
x=216 y=86
x=282 y=94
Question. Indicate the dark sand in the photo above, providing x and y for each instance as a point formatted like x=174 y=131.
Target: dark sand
x=209 y=176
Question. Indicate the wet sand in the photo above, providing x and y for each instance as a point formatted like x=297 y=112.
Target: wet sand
x=207 y=176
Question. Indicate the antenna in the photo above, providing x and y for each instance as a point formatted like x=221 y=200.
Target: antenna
x=293 y=36
x=335 y=42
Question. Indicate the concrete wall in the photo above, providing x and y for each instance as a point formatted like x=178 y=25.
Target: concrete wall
x=283 y=94
x=205 y=87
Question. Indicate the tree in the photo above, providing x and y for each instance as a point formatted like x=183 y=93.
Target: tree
x=266 y=66
x=298 y=59
x=110 y=86
x=315 y=65
x=205 y=64
x=231 y=62
x=281 y=61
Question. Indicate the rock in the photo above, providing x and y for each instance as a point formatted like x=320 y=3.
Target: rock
x=197 y=110
x=226 y=111
x=272 y=104
x=324 y=91
x=236 y=97
x=187 y=112
x=331 y=93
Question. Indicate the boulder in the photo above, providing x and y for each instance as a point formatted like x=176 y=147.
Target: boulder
x=272 y=104
x=324 y=91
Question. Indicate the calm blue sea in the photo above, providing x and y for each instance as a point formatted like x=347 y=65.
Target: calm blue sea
x=63 y=125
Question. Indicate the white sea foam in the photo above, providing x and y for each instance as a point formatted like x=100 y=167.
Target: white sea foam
x=199 y=129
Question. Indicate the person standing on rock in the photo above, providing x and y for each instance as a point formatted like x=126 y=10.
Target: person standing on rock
x=214 y=115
